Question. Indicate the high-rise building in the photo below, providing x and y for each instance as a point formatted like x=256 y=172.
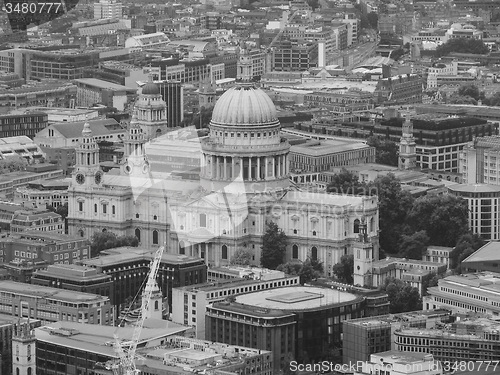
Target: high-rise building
x=172 y=93
x=108 y=9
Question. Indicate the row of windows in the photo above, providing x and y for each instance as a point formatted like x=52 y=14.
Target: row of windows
x=464 y=294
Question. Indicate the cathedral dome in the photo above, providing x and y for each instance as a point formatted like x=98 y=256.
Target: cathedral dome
x=150 y=89
x=244 y=105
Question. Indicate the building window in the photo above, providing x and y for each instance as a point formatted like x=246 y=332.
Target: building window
x=95 y=207
x=104 y=208
x=113 y=210
x=138 y=234
x=182 y=250
x=295 y=252
x=314 y=253
x=203 y=220
x=137 y=216
x=155 y=237
x=356 y=226
x=224 y=252
x=372 y=224
x=80 y=206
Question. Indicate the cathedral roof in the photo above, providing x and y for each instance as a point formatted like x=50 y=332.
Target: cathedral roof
x=245 y=105
x=151 y=89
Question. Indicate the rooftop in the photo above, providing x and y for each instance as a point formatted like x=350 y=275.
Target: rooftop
x=98 y=338
x=328 y=147
x=49 y=293
x=489 y=252
x=72 y=272
x=395 y=356
x=98 y=127
x=475 y=188
x=103 y=84
x=296 y=298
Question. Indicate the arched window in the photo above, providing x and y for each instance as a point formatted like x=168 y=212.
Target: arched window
x=314 y=253
x=224 y=252
x=203 y=220
x=138 y=234
x=295 y=252
x=17 y=350
x=356 y=226
x=155 y=237
x=80 y=233
x=17 y=370
x=29 y=350
x=182 y=250
x=29 y=370
x=372 y=224
x=156 y=305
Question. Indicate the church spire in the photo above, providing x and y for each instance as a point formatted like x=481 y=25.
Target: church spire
x=245 y=70
x=407 y=146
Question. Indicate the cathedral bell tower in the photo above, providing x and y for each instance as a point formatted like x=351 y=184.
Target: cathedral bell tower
x=23 y=349
x=207 y=94
x=87 y=171
x=135 y=161
x=363 y=257
x=407 y=145
x=244 y=65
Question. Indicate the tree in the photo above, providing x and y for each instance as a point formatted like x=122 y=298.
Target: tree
x=466 y=245
x=394 y=204
x=444 y=218
x=457 y=99
x=309 y=270
x=107 y=240
x=241 y=257
x=386 y=151
x=469 y=90
x=345 y=182
x=373 y=20
x=13 y=163
x=413 y=246
x=402 y=297
x=274 y=244
x=344 y=269
x=462 y=45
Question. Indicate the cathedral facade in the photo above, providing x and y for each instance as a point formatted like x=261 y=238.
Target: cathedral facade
x=244 y=184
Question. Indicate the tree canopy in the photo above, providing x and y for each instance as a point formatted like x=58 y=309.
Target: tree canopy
x=309 y=270
x=402 y=296
x=443 y=217
x=107 y=240
x=466 y=245
x=241 y=257
x=345 y=182
x=13 y=163
x=386 y=151
x=414 y=246
x=274 y=244
x=462 y=45
x=344 y=269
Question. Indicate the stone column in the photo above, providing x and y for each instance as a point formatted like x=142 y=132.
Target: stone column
x=279 y=166
x=233 y=168
x=225 y=167
x=274 y=167
x=266 y=167
x=258 y=168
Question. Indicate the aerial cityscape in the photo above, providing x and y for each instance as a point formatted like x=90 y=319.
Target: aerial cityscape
x=233 y=187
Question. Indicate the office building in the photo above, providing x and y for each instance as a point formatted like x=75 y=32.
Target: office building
x=394 y=362
x=10 y=181
x=21 y=146
x=52 y=305
x=51 y=94
x=438 y=254
x=302 y=321
x=107 y=9
x=189 y=302
x=172 y=93
x=128 y=267
x=291 y=56
x=36 y=219
x=42 y=193
x=479 y=161
x=401 y=89
x=484 y=213
x=341 y=102
x=75 y=277
x=27 y=124
x=467 y=292
x=365 y=336
x=91 y=91
x=83 y=347
x=468 y=339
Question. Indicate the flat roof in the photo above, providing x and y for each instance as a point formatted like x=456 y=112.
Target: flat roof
x=48 y=292
x=475 y=188
x=327 y=147
x=103 y=84
x=99 y=338
x=296 y=298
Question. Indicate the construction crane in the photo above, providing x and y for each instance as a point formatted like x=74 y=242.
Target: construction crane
x=269 y=55
x=126 y=349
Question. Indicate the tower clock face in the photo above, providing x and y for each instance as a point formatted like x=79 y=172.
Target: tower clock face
x=98 y=177
x=80 y=178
